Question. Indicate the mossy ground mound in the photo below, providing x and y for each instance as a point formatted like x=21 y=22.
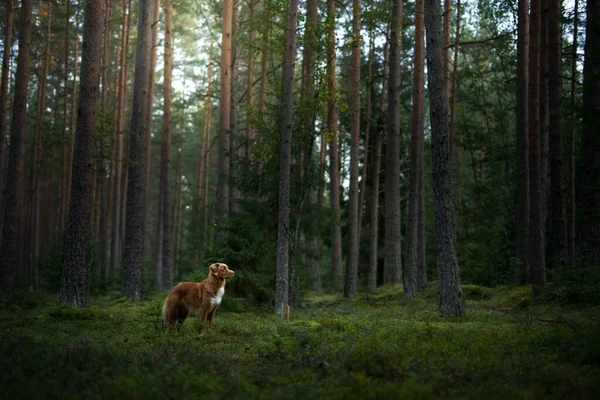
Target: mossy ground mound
x=378 y=346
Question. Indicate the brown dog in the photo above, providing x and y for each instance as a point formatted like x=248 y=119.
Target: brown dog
x=202 y=298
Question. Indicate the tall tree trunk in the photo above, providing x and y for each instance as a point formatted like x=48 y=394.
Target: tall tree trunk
x=421 y=238
x=454 y=84
x=334 y=167
x=374 y=223
x=414 y=199
x=522 y=193
x=234 y=190
x=544 y=109
x=120 y=132
x=249 y=116
x=264 y=56
x=283 y=223
x=446 y=48
x=535 y=250
x=165 y=167
x=10 y=12
x=154 y=23
x=353 y=227
x=177 y=212
x=38 y=158
x=588 y=180
x=73 y=290
x=72 y=118
x=135 y=221
x=571 y=209
x=63 y=151
x=224 y=119
x=393 y=234
x=10 y=228
x=201 y=189
x=558 y=227
x=451 y=299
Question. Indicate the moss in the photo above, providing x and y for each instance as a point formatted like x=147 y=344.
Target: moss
x=378 y=346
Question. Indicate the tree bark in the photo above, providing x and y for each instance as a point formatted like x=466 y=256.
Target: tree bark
x=249 y=116
x=73 y=291
x=414 y=199
x=446 y=48
x=353 y=227
x=451 y=299
x=165 y=188
x=588 y=180
x=63 y=151
x=544 y=110
x=454 y=86
x=522 y=193
x=535 y=245
x=120 y=132
x=572 y=167
x=224 y=120
x=393 y=234
x=264 y=56
x=334 y=168
x=10 y=228
x=283 y=223
x=558 y=226
x=10 y=12
x=135 y=221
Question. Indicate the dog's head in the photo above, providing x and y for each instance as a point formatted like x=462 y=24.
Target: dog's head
x=220 y=270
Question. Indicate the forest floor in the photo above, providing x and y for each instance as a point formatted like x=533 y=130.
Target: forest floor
x=379 y=346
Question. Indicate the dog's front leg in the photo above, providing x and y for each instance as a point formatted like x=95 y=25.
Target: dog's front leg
x=204 y=312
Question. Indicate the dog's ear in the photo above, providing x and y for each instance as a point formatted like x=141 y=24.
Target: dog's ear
x=214 y=268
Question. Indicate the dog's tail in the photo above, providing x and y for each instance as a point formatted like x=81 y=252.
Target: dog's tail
x=169 y=307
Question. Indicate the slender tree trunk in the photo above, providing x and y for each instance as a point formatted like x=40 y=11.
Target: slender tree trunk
x=200 y=236
x=522 y=193
x=334 y=168
x=234 y=190
x=38 y=158
x=63 y=151
x=393 y=234
x=454 y=83
x=544 y=110
x=571 y=209
x=10 y=12
x=283 y=230
x=118 y=157
x=369 y=89
x=224 y=119
x=414 y=200
x=178 y=212
x=154 y=23
x=264 y=56
x=451 y=299
x=10 y=228
x=446 y=48
x=73 y=291
x=558 y=227
x=249 y=116
x=421 y=238
x=135 y=221
x=165 y=189
x=73 y=107
x=535 y=251
x=588 y=180
x=353 y=227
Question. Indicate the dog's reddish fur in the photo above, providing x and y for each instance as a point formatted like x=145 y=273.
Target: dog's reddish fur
x=202 y=298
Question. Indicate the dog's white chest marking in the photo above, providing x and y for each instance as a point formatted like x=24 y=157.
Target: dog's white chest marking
x=218 y=297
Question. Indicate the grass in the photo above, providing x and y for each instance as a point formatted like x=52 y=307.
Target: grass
x=377 y=346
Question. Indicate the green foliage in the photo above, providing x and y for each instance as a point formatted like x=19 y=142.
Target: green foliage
x=377 y=347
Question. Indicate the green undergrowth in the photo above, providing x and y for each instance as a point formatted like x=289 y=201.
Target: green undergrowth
x=379 y=345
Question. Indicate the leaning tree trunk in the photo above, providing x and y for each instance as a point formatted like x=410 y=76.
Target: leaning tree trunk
x=451 y=299
x=353 y=227
x=522 y=193
x=558 y=225
x=588 y=182
x=73 y=290
x=535 y=244
x=224 y=119
x=135 y=221
x=283 y=230
x=10 y=12
x=334 y=167
x=16 y=159
x=414 y=199
x=165 y=167
x=393 y=233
